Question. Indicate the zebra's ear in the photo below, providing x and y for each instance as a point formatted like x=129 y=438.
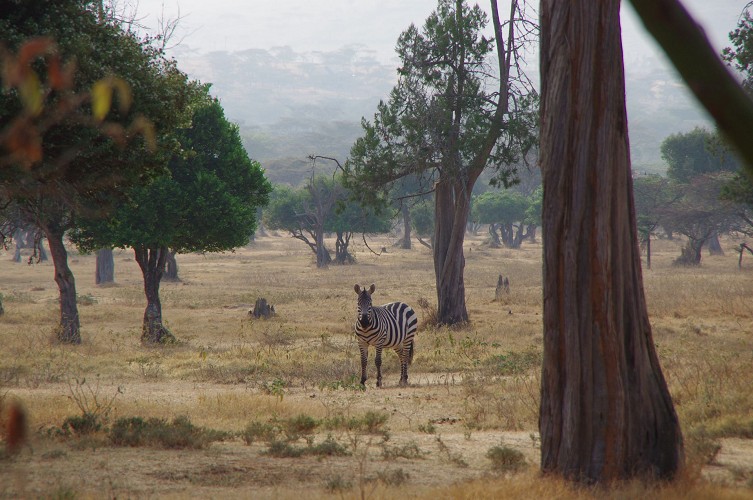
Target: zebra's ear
x=372 y=288
x=357 y=288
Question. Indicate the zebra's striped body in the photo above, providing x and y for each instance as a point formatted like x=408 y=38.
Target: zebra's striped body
x=392 y=326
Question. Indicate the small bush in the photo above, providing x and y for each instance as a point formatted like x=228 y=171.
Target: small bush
x=158 y=433
x=506 y=459
x=259 y=431
x=395 y=477
x=337 y=484
x=409 y=450
x=88 y=423
x=329 y=448
x=300 y=425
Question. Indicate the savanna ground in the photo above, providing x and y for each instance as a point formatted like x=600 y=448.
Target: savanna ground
x=272 y=408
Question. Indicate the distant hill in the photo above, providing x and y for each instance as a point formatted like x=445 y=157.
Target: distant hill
x=290 y=105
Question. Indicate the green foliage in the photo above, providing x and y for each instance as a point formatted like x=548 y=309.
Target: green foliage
x=514 y=362
x=505 y=207
x=158 y=433
x=741 y=52
x=695 y=153
x=506 y=459
x=440 y=114
x=208 y=202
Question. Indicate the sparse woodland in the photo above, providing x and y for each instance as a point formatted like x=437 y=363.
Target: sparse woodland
x=595 y=364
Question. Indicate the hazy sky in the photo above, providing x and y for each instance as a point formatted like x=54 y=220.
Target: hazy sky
x=324 y=25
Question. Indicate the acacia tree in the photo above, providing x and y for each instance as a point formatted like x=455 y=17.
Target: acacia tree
x=653 y=199
x=444 y=123
x=506 y=213
x=305 y=212
x=606 y=412
x=207 y=203
x=68 y=157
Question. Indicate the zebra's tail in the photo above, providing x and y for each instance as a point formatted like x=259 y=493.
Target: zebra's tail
x=410 y=353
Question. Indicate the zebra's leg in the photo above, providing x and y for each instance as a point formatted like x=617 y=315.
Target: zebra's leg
x=378 y=362
x=402 y=353
x=364 y=358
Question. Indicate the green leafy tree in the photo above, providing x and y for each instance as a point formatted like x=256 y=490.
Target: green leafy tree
x=350 y=218
x=654 y=197
x=206 y=203
x=323 y=205
x=695 y=153
x=305 y=213
x=445 y=124
x=505 y=212
x=69 y=156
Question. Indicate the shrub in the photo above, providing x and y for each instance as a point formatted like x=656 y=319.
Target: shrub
x=158 y=433
x=505 y=459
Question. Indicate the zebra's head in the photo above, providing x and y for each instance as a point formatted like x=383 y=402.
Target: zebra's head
x=364 y=303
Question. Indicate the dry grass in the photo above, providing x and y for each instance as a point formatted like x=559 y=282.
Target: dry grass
x=472 y=389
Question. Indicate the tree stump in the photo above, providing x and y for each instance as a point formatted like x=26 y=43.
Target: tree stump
x=503 y=285
x=262 y=309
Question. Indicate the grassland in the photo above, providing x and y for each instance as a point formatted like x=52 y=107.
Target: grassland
x=271 y=408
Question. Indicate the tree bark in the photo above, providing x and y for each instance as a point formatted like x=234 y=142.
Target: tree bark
x=715 y=247
x=105 y=267
x=405 y=243
x=171 y=267
x=606 y=412
x=494 y=236
x=152 y=264
x=342 y=243
x=69 y=331
x=452 y=206
x=690 y=255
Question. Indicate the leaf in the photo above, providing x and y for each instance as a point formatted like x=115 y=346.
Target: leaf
x=30 y=91
x=101 y=99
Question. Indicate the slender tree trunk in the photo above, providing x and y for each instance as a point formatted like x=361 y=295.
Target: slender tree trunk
x=606 y=412
x=452 y=209
x=105 y=270
x=342 y=243
x=405 y=243
x=494 y=236
x=69 y=331
x=19 y=238
x=152 y=264
x=171 y=267
x=323 y=258
x=648 y=250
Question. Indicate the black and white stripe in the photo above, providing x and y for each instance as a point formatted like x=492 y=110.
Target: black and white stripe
x=392 y=325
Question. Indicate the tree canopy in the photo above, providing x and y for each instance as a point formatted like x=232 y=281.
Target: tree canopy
x=206 y=203
x=81 y=151
x=445 y=122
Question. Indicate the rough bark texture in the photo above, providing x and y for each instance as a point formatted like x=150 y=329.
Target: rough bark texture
x=606 y=412
x=105 y=267
x=69 y=331
x=451 y=214
x=152 y=264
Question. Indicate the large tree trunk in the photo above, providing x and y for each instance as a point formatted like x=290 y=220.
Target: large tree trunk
x=494 y=236
x=69 y=331
x=452 y=205
x=105 y=270
x=715 y=247
x=606 y=412
x=405 y=243
x=152 y=264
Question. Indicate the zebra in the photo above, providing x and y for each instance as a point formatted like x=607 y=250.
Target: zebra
x=391 y=325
